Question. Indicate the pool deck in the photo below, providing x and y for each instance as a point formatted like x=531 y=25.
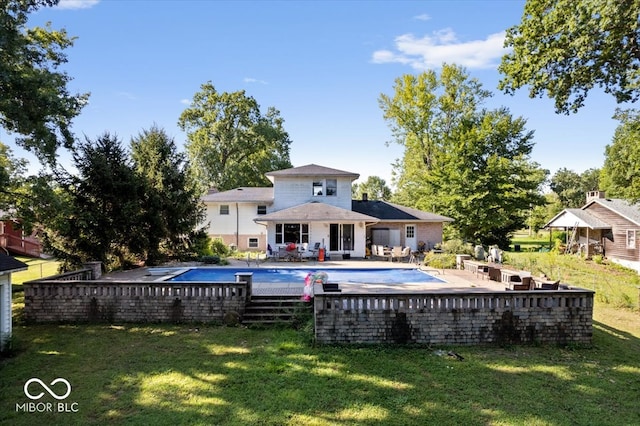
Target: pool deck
x=456 y=280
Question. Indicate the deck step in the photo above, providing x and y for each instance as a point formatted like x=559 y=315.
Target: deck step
x=264 y=310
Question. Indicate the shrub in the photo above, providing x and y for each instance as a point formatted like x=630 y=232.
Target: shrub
x=440 y=260
x=597 y=259
x=210 y=260
x=456 y=247
x=219 y=248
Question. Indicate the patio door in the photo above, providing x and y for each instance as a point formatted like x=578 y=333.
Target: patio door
x=410 y=236
x=341 y=236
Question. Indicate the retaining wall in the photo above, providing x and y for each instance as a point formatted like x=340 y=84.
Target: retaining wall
x=560 y=317
x=109 y=301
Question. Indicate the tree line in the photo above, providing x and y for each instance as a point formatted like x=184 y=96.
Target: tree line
x=141 y=203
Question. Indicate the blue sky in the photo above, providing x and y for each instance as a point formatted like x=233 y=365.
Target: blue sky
x=322 y=64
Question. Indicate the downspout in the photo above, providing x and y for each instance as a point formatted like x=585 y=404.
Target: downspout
x=237 y=227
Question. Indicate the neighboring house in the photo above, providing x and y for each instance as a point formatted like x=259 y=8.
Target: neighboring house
x=312 y=204
x=14 y=240
x=7 y=265
x=610 y=227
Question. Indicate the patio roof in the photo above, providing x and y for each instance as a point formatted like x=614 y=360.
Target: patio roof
x=315 y=212
x=570 y=218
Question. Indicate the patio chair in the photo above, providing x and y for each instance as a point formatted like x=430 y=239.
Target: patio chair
x=400 y=253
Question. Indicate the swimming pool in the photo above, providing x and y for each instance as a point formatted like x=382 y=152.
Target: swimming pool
x=292 y=275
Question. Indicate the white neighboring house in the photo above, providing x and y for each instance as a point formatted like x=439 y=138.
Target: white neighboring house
x=8 y=265
x=313 y=204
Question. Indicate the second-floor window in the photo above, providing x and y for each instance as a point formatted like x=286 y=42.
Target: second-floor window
x=317 y=187
x=332 y=187
x=262 y=210
x=325 y=187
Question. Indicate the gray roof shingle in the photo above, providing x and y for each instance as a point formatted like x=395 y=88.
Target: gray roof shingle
x=386 y=211
x=10 y=264
x=241 y=195
x=315 y=212
x=313 y=170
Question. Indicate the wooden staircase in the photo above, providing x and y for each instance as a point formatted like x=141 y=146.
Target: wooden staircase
x=269 y=310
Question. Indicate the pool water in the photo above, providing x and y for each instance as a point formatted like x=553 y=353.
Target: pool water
x=292 y=275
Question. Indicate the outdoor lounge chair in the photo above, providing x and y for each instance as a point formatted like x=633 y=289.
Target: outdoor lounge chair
x=400 y=253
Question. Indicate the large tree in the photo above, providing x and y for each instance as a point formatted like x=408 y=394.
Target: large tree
x=565 y=48
x=95 y=213
x=620 y=175
x=460 y=160
x=231 y=143
x=571 y=187
x=34 y=99
x=172 y=207
x=375 y=187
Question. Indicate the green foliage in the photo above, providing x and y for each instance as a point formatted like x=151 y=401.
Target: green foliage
x=35 y=101
x=440 y=260
x=598 y=259
x=460 y=160
x=375 y=187
x=621 y=170
x=218 y=247
x=571 y=188
x=210 y=260
x=115 y=210
x=564 y=48
x=172 y=207
x=456 y=247
x=230 y=142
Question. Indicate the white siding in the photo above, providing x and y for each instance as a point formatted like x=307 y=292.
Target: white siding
x=5 y=309
x=291 y=191
x=237 y=226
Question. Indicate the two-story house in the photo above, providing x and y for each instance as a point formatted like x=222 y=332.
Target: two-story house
x=313 y=204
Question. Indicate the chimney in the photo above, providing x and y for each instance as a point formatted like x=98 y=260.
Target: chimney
x=593 y=195
x=365 y=196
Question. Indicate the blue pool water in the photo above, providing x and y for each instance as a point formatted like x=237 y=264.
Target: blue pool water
x=292 y=275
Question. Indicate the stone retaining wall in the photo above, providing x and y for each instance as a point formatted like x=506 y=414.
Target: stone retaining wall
x=560 y=317
x=109 y=301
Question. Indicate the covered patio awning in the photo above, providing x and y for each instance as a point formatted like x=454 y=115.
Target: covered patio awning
x=315 y=212
x=576 y=218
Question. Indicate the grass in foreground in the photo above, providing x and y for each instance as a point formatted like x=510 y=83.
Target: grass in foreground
x=170 y=375
x=180 y=374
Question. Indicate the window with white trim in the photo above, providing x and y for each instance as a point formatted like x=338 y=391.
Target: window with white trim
x=262 y=210
x=332 y=187
x=631 y=238
x=252 y=243
x=224 y=209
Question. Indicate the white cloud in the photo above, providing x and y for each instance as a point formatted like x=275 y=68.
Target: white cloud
x=76 y=4
x=422 y=17
x=185 y=101
x=431 y=51
x=254 y=80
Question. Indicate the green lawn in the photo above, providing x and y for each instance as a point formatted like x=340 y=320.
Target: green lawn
x=206 y=375
x=38 y=268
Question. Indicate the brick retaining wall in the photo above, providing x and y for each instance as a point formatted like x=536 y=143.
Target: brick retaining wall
x=109 y=301
x=561 y=317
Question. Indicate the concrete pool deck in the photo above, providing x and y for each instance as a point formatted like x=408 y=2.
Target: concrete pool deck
x=456 y=280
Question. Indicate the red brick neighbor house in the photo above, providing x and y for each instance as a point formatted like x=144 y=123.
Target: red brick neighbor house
x=606 y=226
x=313 y=205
